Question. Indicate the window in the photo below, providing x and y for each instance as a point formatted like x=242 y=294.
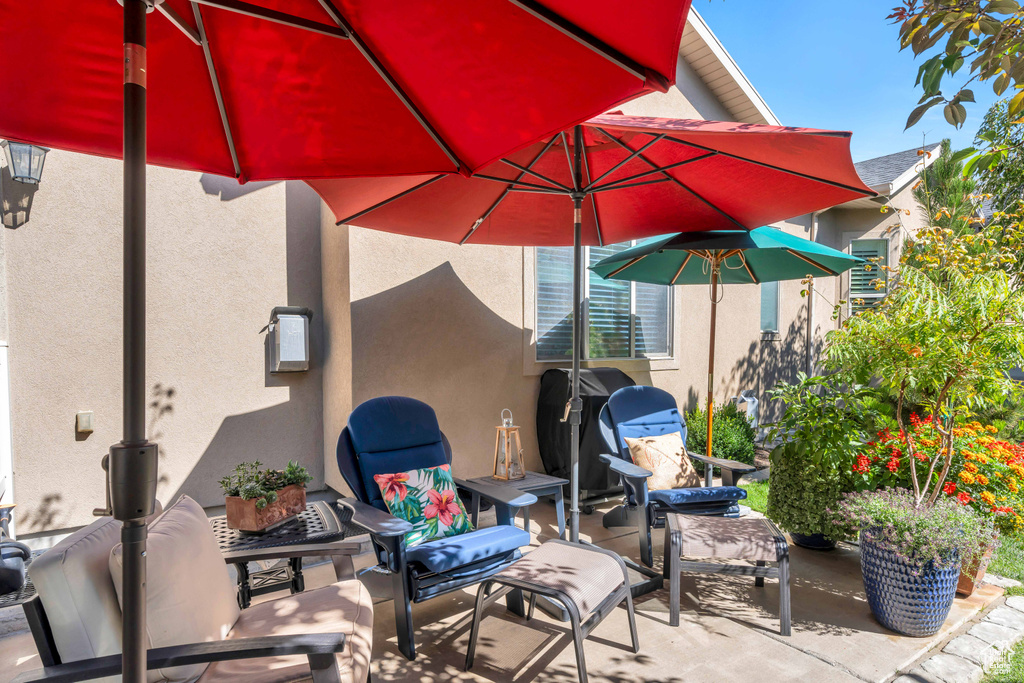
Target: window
x=625 y=319
x=863 y=294
x=769 y=306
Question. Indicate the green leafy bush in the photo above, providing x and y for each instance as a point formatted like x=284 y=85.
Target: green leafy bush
x=732 y=436
x=820 y=433
x=250 y=481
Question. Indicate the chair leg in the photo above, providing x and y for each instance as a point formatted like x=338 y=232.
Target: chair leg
x=759 y=580
x=632 y=620
x=515 y=603
x=481 y=595
x=577 y=642
x=403 y=616
x=324 y=668
x=533 y=606
x=784 y=604
x=643 y=526
x=672 y=560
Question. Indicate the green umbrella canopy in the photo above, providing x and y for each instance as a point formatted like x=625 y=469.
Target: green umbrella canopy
x=761 y=255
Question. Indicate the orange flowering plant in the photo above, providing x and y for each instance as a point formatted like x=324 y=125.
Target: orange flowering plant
x=985 y=473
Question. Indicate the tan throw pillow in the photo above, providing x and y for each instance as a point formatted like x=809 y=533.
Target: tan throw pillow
x=665 y=456
x=190 y=596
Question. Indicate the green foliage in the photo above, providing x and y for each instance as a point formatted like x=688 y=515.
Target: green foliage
x=986 y=36
x=1010 y=669
x=1008 y=559
x=1001 y=170
x=1007 y=417
x=942 y=338
x=732 y=436
x=948 y=196
x=820 y=432
x=250 y=481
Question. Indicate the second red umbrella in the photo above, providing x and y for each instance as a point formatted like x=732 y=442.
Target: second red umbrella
x=612 y=179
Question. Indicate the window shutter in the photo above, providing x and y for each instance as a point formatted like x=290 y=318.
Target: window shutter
x=653 y=316
x=863 y=294
x=609 y=310
x=554 y=303
x=769 y=306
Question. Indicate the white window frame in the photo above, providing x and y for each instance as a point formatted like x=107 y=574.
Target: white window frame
x=877 y=295
x=585 y=274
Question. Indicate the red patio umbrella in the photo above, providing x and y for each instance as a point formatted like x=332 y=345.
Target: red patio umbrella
x=613 y=178
x=276 y=89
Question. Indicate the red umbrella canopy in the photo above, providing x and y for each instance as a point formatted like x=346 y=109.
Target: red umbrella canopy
x=272 y=89
x=641 y=177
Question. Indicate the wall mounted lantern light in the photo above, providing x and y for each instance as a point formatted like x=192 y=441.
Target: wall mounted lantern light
x=24 y=161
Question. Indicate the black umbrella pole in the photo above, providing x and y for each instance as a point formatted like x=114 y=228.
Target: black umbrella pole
x=132 y=464
x=575 y=404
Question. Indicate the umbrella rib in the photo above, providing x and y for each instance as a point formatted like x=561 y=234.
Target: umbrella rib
x=568 y=157
x=632 y=262
x=387 y=201
x=593 y=201
x=689 y=255
x=573 y=31
x=621 y=163
x=258 y=12
x=636 y=184
x=678 y=182
x=383 y=72
x=182 y=25
x=526 y=169
x=215 y=82
x=810 y=261
x=511 y=183
x=746 y=265
x=504 y=194
x=807 y=176
x=658 y=169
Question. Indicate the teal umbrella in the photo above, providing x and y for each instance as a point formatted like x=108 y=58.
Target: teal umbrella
x=719 y=257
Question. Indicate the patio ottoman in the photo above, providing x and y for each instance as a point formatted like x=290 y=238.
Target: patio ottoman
x=753 y=539
x=588 y=581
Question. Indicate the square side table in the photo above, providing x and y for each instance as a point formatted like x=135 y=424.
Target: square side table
x=535 y=483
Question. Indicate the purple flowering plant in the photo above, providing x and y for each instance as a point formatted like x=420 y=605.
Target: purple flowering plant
x=941 y=534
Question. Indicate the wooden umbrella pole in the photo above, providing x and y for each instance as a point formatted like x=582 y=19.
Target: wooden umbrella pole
x=708 y=469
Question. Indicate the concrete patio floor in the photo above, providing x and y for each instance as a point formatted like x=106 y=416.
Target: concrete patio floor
x=728 y=630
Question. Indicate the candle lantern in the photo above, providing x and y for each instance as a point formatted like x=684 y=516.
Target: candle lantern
x=508 y=450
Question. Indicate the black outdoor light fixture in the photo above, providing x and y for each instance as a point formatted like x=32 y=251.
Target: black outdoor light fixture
x=24 y=161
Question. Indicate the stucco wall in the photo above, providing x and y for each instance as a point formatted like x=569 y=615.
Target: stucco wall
x=220 y=257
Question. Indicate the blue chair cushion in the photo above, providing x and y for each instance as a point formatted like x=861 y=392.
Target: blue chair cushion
x=445 y=554
x=699 y=496
x=393 y=462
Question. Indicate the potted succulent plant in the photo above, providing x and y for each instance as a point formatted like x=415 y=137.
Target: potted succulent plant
x=911 y=554
x=258 y=499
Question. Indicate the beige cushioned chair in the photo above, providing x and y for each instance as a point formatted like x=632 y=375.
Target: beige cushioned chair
x=191 y=598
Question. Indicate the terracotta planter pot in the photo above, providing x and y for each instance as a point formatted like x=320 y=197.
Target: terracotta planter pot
x=243 y=515
x=971 y=576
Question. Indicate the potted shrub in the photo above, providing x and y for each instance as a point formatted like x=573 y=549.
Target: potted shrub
x=911 y=554
x=820 y=433
x=258 y=499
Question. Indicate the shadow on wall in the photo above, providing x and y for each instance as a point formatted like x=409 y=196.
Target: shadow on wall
x=229 y=188
x=16 y=200
x=770 y=361
x=292 y=430
x=432 y=339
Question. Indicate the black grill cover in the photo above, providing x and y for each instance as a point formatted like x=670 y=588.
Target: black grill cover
x=596 y=385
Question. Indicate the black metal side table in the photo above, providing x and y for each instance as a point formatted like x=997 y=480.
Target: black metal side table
x=535 y=483
x=324 y=528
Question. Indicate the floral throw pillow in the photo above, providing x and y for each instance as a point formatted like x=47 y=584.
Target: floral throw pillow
x=426 y=498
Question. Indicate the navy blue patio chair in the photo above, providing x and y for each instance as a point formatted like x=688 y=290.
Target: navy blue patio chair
x=395 y=434
x=634 y=412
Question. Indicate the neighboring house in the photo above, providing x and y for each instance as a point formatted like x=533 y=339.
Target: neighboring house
x=467 y=329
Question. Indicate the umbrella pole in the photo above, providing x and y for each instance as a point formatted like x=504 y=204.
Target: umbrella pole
x=708 y=469
x=132 y=463
x=575 y=403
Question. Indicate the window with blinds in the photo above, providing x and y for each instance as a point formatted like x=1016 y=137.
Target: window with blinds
x=863 y=294
x=624 y=319
x=769 y=306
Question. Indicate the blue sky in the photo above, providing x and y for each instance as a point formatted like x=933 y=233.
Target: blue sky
x=835 y=65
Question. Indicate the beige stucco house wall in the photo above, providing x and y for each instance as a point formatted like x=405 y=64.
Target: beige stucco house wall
x=450 y=325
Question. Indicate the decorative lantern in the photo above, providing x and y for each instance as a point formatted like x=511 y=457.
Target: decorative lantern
x=25 y=162
x=508 y=451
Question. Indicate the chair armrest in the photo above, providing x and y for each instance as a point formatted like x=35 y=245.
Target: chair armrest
x=731 y=465
x=501 y=495
x=312 y=645
x=377 y=522
x=356 y=545
x=624 y=468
